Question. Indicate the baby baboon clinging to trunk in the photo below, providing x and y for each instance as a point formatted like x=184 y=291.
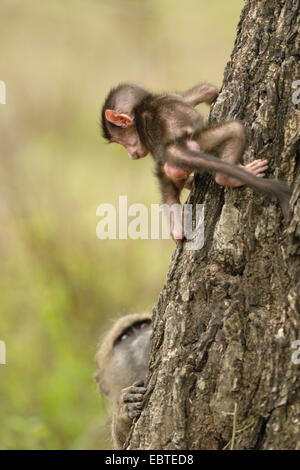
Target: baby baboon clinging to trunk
x=168 y=127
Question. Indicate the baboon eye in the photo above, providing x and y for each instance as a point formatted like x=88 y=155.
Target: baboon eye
x=132 y=330
x=124 y=336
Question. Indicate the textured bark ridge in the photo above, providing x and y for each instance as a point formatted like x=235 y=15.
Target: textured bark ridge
x=228 y=314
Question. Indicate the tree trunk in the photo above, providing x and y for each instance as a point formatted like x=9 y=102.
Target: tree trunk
x=228 y=314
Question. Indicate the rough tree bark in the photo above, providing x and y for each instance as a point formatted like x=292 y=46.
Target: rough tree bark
x=228 y=314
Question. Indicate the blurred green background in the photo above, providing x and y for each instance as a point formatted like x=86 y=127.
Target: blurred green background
x=60 y=286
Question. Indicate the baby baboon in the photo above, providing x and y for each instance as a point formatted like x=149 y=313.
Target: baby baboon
x=168 y=127
x=122 y=359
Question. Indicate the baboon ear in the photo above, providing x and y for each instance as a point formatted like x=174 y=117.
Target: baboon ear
x=100 y=383
x=121 y=120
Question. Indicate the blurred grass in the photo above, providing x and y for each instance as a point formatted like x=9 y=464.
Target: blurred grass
x=61 y=287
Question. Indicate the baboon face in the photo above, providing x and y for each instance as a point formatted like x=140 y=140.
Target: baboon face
x=129 y=359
